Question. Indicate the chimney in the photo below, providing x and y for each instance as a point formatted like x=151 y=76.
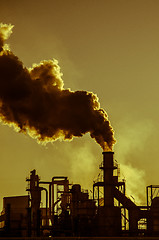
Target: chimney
x=108 y=167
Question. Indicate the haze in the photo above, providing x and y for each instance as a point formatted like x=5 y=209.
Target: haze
x=106 y=47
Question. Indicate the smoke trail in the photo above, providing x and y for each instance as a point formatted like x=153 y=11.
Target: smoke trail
x=34 y=101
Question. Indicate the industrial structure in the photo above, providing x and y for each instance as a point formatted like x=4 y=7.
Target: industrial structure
x=69 y=211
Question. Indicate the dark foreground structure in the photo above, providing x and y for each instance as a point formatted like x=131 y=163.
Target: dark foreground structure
x=69 y=212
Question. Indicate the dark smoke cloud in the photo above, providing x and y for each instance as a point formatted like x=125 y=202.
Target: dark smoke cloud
x=34 y=101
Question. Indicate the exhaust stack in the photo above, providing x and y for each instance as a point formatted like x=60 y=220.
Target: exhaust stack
x=108 y=167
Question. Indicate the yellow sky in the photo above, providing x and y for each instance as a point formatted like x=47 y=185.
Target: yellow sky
x=109 y=48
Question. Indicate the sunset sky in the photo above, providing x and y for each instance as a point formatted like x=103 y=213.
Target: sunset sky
x=110 y=48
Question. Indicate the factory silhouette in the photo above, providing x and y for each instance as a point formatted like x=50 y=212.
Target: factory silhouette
x=35 y=102
x=69 y=212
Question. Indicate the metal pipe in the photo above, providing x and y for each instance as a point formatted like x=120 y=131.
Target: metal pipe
x=50 y=199
x=50 y=183
x=147 y=196
x=46 y=204
x=108 y=167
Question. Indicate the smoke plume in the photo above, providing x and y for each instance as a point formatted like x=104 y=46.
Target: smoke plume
x=35 y=102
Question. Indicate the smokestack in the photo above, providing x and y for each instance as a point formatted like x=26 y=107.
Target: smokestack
x=35 y=102
x=108 y=166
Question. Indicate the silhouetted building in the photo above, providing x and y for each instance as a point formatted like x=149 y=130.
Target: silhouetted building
x=70 y=212
x=14 y=217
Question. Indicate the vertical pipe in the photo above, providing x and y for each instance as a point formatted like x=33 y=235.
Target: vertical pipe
x=147 y=196
x=38 y=223
x=108 y=167
x=46 y=204
x=50 y=200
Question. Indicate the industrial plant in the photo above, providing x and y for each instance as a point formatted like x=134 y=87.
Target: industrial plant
x=69 y=211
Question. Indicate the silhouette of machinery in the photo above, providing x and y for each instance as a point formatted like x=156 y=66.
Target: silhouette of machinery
x=69 y=211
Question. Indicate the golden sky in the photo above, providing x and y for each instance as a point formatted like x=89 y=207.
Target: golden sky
x=106 y=47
